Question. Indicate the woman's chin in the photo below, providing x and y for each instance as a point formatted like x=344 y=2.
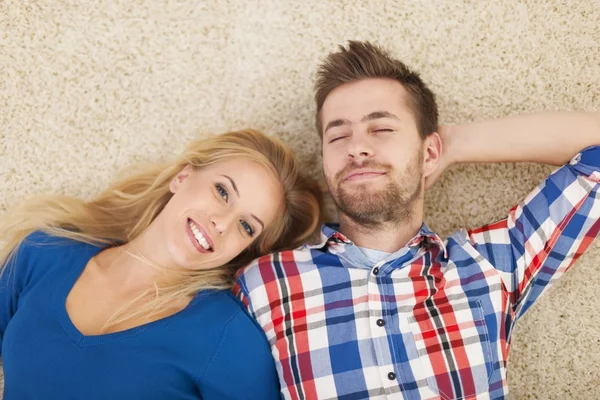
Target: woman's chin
x=197 y=264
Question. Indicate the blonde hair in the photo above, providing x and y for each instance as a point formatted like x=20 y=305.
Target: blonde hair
x=125 y=209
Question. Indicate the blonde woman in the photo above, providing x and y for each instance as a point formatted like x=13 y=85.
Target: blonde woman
x=125 y=296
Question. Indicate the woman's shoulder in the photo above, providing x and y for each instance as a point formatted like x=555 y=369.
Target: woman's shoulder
x=223 y=306
x=42 y=239
x=226 y=315
x=241 y=361
x=41 y=245
x=39 y=251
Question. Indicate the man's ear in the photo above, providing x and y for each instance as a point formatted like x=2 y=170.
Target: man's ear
x=178 y=179
x=432 y=153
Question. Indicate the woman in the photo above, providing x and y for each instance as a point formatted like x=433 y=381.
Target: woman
x=124 y=296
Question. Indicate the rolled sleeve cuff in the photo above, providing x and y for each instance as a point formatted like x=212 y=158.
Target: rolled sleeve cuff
x=587 y=163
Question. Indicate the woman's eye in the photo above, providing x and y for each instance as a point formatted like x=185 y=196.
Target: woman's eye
x=383 y=130
x=247 y=228
x=222 y=191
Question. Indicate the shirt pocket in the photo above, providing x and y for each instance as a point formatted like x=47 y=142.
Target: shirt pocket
x=453 y=348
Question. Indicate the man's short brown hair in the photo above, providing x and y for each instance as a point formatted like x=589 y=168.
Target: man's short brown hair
x=363 y=60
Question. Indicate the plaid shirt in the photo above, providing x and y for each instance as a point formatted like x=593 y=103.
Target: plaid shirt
x=434 y=319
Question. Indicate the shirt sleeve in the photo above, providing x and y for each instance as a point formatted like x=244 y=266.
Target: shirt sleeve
x=547 y=232
x=241 y=366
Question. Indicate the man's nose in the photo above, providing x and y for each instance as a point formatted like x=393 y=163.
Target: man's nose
x=360 y=148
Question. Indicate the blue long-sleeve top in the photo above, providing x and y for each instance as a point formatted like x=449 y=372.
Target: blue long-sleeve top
x=212 y=349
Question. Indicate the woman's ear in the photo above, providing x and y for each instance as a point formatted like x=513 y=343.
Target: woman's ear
x=178 y=179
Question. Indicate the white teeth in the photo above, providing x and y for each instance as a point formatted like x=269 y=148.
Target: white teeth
x=201 y=240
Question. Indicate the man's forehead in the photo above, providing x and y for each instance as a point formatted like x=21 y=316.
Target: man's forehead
x=369 y=112
x=356 y=100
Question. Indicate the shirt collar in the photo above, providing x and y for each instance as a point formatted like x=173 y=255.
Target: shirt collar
x=330 y=235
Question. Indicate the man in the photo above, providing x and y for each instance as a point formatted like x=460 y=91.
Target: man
x=383 y=308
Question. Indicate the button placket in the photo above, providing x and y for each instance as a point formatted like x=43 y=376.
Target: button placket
x=389 y=375
x=380 y=322
x=377 y=323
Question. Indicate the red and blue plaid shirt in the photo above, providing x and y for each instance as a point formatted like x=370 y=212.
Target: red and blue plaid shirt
x=434 y=319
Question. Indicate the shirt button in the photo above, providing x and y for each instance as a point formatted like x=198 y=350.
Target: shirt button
x=391 y=376
x=380 y=322
x=375 y=271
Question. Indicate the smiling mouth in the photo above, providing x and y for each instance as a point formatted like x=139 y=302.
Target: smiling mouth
x=198 y=236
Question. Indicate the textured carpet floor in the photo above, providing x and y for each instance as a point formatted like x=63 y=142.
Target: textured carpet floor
x=88 y=87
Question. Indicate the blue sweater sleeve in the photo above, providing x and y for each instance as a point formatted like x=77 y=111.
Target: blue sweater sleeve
x=13 y=281
x=242 y=366
x=21 y=272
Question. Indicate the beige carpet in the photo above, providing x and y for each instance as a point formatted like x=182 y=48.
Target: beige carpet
x=87 y=87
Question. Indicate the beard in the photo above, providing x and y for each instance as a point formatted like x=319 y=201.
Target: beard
x=371 y=207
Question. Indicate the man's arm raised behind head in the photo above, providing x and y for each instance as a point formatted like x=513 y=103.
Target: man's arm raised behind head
x=548 y=138
x=547 y=232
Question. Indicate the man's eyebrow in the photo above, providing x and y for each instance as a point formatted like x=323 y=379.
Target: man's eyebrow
x=378 y=115
x=258 y=220
x=232 y=184
x=369 y=117
x=337 y=122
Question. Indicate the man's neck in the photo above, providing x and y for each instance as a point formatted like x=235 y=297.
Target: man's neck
x=389 y=237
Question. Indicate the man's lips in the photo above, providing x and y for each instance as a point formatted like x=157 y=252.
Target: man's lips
x=363 y=174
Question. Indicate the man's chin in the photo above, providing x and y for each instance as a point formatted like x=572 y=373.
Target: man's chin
x=361 y=202
x=360 y=186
